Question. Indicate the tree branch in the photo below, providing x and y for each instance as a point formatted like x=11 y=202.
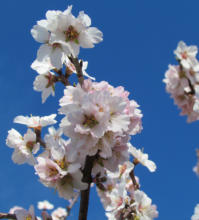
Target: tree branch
x=62 y=78
x=85 y=193
x=7 y=216
x=78 y=67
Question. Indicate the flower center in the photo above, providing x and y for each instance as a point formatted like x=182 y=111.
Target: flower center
x=29 y=217
x=90 y=121
x=71 y=34
x=50 y=79
x=53 y=171
x=30 y=145
x=184 y=55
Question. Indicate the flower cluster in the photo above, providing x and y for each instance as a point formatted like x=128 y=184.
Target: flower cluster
x=57 y=214
x=99 y=120
x=182 y=81
x=122 y=198
x=91 y=144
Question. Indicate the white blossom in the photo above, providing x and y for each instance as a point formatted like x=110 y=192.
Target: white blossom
x=36 y=121
x=45 y=205
x=142 y=158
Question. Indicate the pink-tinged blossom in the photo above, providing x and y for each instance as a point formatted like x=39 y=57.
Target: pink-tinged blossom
x=182 y=81
x=45 y=205
x=59 y=214
x=96 y=114
x=142 y=158
x=145 y=209
x=186 y=55
x=49 y=171
x=36 y=121
x=24 y=147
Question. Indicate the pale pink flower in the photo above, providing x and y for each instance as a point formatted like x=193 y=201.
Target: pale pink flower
x=45 y=205
x=59 y=214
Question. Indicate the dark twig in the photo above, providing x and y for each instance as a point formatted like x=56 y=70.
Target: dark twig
x=38 y=138
x=7 y=216
x=63 y=78
x=78 y=67
x=85 y=193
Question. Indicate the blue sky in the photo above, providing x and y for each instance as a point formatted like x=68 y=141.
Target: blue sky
x=139 y=39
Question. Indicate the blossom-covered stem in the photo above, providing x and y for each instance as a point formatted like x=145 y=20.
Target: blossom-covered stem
x=192 y=92
x=85 y=193
x=74 y=200
x=78 y=66
x=39 y=139
x=7 y=216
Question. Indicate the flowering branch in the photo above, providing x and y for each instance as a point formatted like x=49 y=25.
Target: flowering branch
x=132 y=175
x=7 y=216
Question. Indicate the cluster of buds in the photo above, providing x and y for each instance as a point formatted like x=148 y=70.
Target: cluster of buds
x=91 y=144
x=182 y=81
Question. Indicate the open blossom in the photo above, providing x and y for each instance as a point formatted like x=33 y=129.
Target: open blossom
x=63 y=34
x=24 y=147
x=45 y=205
x=186 y=55
x=142 y=158
x=36 y=121
x=59 y=214
x=144 y=208
x=56 y=170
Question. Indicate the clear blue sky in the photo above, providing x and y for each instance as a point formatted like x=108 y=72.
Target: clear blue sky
x=139 y=39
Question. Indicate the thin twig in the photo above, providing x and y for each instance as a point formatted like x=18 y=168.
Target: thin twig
x=78 y=66
x=63 y=78
x=38 y=138
x=7 y=216
x=70 y=206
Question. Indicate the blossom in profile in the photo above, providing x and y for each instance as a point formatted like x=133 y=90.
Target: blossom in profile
x=140 y=157
x=36 y=121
